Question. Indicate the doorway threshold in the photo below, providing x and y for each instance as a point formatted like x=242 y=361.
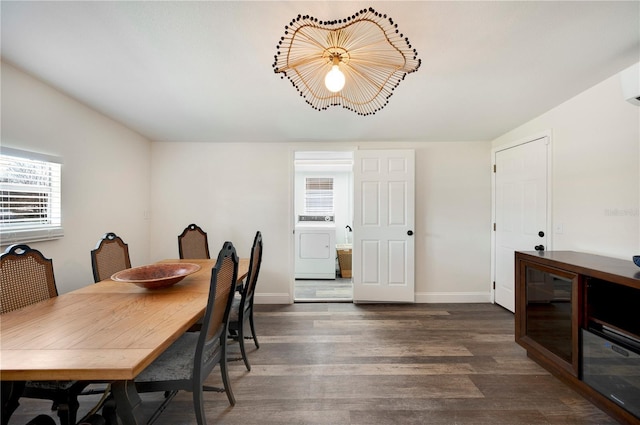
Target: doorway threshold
x=332 y=290
x=323 y=300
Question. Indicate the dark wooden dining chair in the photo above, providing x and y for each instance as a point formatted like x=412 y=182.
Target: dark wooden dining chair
x=187 y=363
x=193 y=243
x=109 y=256
x=241 y=313
x=26 y=278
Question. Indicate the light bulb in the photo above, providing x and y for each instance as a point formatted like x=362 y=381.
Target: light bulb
x=334 y=81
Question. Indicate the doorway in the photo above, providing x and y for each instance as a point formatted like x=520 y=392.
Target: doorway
x=323 y=217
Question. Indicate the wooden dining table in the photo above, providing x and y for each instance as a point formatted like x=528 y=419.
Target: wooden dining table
x=104 y=332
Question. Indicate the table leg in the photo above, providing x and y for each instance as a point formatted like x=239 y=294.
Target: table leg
x=10 y=392
x=128 y=402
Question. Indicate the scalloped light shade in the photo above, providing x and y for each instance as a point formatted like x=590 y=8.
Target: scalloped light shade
x=371 y=52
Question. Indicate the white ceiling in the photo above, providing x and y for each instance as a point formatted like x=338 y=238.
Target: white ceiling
x=202 y=71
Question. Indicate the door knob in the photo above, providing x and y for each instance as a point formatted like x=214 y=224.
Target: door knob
x=539 y=247
x=410 y=232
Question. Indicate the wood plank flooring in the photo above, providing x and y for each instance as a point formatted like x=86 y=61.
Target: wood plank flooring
x=346 y=364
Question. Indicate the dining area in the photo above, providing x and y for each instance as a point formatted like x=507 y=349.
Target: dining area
x=162 y=327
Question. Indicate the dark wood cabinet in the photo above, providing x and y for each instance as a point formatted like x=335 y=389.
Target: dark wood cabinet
x=578 y=315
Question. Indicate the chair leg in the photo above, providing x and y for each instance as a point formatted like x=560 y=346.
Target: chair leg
x=253 y=329
x=225 y=379
x=198 y=406
x=243 y=352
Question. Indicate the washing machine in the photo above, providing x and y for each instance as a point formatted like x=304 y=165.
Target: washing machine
x=315 y=247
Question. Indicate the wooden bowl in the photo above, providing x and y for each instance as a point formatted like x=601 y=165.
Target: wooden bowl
x=155 y=276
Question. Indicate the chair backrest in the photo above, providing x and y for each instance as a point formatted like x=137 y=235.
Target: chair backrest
x=26 y=277
x=192 y=243
x=109 y=256
x=254 y=270
x=213 y=334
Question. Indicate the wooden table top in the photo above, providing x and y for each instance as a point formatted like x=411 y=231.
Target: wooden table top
x=104 y=331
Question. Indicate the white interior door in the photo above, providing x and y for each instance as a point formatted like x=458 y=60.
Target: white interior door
x=520 y=210
x=383 y=226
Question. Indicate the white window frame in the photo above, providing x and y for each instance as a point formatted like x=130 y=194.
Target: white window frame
x=49 y=225
x=318 y=196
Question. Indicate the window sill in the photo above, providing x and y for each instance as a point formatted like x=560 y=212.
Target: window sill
x=10 y=237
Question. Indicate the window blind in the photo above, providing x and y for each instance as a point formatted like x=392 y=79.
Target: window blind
x=319 y=195
x=30 y=197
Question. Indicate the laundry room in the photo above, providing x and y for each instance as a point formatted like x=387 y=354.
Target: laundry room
x=323 y=225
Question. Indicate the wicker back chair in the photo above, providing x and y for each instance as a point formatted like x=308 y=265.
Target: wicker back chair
x=26 y=278
x=193 y=243
x=187 y=363
x=109 y=256
x=242 y=307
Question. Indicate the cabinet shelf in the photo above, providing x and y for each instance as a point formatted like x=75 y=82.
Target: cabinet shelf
x=613 y=305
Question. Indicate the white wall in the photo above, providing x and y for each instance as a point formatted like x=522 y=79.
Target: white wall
x=105 y=172
x=453 y=216
x=232 y=190
x=595 y=170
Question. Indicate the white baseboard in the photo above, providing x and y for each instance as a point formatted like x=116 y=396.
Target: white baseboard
x=421 y=297
x=453 y=297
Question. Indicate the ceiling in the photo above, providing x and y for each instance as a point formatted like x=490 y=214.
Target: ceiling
x=202 y=71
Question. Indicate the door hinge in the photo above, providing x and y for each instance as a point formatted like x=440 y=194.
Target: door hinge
x=494 y=227
x=494 y=285
x=494 y=168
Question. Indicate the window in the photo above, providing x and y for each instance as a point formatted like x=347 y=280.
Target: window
x=29 y=197
x=318 y=197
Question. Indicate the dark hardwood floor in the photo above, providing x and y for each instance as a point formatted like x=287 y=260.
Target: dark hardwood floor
x=340 y=363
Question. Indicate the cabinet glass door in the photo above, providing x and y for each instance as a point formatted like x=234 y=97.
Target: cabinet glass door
x=549 y=317
x=547 y=320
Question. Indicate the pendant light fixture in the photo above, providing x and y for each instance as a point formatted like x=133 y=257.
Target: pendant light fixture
x=356 y=62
